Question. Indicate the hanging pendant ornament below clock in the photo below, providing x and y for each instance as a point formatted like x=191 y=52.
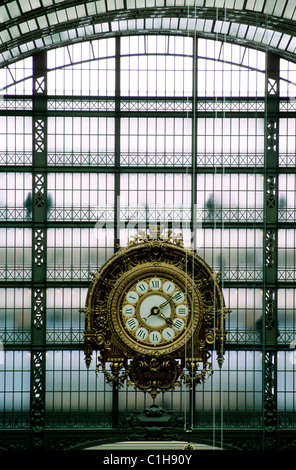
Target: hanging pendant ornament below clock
x=155 y=311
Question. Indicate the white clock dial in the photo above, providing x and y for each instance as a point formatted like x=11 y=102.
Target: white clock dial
x=155 y=311
x=178 y=297
x=150 y=312
x=142 y=287
x=128 y=310
x=155 y=337
x=132 y=297
x=168 y=287
x=168 y=334
x=182 y=310
x=132 y=323
x=141 y=333
x=155 y=284
x=178 y=324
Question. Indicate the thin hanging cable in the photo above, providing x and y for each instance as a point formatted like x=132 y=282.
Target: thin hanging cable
x=185 y=350
x=193 y=202
x=190 y=420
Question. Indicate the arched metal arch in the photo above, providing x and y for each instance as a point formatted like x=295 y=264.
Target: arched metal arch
x=23 y=33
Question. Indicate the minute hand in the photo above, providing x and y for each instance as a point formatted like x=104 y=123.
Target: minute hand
x=165 y=303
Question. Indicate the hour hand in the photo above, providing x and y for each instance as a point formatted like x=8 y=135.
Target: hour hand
x=168 y=320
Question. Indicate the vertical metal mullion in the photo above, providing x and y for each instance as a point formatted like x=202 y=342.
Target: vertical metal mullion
x=117 y=146
x=194 y=143
x=39 y=246
x=270 y=246
x=115 y=393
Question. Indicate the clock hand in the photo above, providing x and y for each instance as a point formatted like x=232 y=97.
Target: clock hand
x=145 y=318
x=165 y=303
x=154 y=311
x=168 y=320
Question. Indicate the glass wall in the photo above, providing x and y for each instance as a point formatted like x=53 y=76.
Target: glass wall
x=176 y=134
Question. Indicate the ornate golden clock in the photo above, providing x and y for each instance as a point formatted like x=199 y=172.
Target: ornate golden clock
x=154 y=311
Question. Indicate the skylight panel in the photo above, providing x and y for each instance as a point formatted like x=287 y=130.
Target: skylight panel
x=290 y=8
x=6 y=55
x=183 y=24
x=250 y=5
x=200 y=24
x=42 y=21
x=101 y=6
x=284 y=41
x=269 y=7
x=242 y=31
x=279 y=8
x=91 y=8
x=140 y=3
x=219 y=3
x=259 y=34
x=292 y=45
x=62 y=16
x=71 y=13
x=259 y=5
x=221 y=27
x=14 y=32
x=131 y=25
x=35 y=4
x=174 y=23
x=149 y=24
x=24 y=27
x=4 y=36
x=25 y=6
x=32 y=25
x=3 y=14
x=267 y=37
x=191 y=24
x=228 y=3
x=111 y=5
x=251 y=32
x=234 y=27
x=208 y=26
x=15 y=51
x=140 y=23
x=39 y=43
x=157 y=23
x=239 y=4
x=52 y=19
x=13 y=9
x=80 y=11
x=123 y=25
x=102 y=28
x=275 y=39
x=114 y=26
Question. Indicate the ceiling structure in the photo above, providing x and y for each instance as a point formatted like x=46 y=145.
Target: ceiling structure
x=27 y=26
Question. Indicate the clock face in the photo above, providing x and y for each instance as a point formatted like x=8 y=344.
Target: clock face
x=155 y=311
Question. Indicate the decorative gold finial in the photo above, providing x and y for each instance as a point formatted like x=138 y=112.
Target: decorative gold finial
x=156 y=231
